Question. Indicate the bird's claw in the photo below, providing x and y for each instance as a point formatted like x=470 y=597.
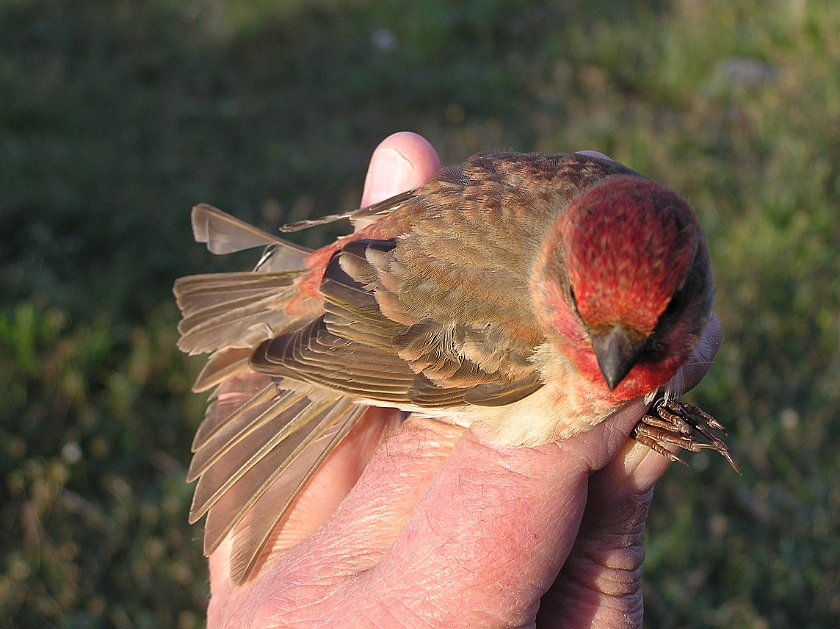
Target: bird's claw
x=669 y=422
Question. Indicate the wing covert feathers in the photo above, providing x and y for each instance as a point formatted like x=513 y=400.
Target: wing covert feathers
x=353 y=348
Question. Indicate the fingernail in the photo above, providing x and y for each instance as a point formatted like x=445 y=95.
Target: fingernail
x=595 y=154
x=643 y=467
x=389 y=173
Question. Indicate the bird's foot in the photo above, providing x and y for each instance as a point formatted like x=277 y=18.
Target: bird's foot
x=669 y=422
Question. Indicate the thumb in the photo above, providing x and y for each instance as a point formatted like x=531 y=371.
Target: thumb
x=402 y=161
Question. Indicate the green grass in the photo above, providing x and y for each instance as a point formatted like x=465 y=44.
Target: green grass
x=117 y=117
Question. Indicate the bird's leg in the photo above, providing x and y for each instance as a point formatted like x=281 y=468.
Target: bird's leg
x=669 y=422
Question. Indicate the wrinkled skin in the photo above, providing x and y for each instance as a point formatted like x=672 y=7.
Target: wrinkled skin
x=424 y=524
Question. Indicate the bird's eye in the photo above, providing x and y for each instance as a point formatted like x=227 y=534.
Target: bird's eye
x=675 y=303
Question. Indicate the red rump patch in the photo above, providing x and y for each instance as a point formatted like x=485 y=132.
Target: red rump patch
x=309 y=299
x=630 y=243
x=309 y=285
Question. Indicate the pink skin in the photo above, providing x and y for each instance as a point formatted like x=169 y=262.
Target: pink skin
x=443 y=529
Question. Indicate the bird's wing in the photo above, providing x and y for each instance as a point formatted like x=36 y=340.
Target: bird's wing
x=262 y=438
x=431 y=305
x=386 y=333
x=353 y=348
x=261 y=441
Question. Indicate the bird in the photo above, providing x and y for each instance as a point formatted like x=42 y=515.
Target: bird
x=532 y=294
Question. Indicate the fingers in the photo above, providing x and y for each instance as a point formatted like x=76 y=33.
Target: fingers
x=456 y=535
x=702 y=356
x=600 y=583
x=471 y=537
x=488 y=537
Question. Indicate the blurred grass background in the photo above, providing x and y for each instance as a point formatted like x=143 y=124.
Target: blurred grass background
x=116 y=117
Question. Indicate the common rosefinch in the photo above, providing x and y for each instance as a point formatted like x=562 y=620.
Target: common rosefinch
x=530 y=294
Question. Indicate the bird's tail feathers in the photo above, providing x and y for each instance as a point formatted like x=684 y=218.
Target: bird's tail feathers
x=238 y=310
x=224 y=233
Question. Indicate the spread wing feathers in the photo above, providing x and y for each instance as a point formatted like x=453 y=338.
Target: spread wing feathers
x=359 y=218
x=222 y=365
x=352 y=348
x=227 y=405
x=259 y=433
x=263 y=427
x=265 y=406
x=287 y=475
x=233 y=309
x=272 y=465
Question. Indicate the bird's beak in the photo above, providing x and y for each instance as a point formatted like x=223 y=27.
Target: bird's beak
x=616 y=352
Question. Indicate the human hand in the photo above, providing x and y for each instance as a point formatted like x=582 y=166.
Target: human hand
x=424 y=524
